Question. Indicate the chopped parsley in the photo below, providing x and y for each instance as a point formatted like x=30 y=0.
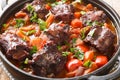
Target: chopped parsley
x=4 y=25
x=34 y=17
x=33 y=50
x=89 y=23
x=77 y=53
x=87 y=63
x=26 y=61
x=30 y=32
x=19 y=23
x=94 y=23
x=83 y=34
x=65 y=53
x=30 y=8
x=59 y=47
x=74 y=40
x=42 y=24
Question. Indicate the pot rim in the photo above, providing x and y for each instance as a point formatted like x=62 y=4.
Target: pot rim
x=112 y=13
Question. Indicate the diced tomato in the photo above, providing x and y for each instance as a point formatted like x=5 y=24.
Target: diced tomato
x=76 y=23
x=101 y=60
x=73 y=64
x=89 y=55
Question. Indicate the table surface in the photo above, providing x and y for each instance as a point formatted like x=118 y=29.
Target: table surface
x=114 y=3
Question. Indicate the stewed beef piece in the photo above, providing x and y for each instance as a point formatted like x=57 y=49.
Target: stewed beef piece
x=92 y=16
x=63 y=12
x=102 y=39
x=49 y=62
x=13 y=46
x=58 y=34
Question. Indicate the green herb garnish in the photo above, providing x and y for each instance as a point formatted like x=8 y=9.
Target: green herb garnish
x=19 y=23
x=30 y=8
x=33 y=50
x=4 y=25
x=89 y=23
x=87 y=63
x=77 y=53
x=30 y=32
x=65 y=53
x=83 y=34
x=42 y=24
x=26 y=61
x=74 y=40
x=59 y=47
x=34 y=17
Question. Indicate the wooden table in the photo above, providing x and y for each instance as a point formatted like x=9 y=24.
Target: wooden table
x=114 y=3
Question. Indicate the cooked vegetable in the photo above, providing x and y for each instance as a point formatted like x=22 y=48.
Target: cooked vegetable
x=42 y=24
x=76 y=23
x=33 y=50
x=77 y=14
x=19 y=23
x=101 y=60
x=49 y=20
x=89 y=55
x=73 y=64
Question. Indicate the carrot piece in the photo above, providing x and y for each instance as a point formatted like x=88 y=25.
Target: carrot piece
x=27 y=19
x=28 y=28
x=47 y=6
x=20 y=14
x=75 y=31
x=76 y=23
x=38 y=42
x=89 y=55
x=50 y=20
x=83 y=47
x=74 y=36
x=89 y=7
x=21 y=35
x=77 y=14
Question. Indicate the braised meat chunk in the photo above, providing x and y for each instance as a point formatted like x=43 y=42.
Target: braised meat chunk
x=101 y=38
x=58 y=34
x=49 y=62
x=92 y=16
x=13 y=46
x=63 y=12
